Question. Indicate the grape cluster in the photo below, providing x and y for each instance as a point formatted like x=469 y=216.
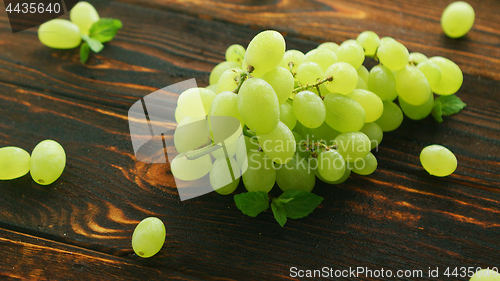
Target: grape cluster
x=45 y=165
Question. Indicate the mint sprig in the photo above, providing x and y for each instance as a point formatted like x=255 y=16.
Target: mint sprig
x=447 y=105
x=101 y=31
x=293 y=204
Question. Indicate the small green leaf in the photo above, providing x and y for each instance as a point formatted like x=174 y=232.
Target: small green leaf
x=279 y=212
x=451 y=104
x=105 y=29
x=94 y=44
x=303 y=203
x=437 y=111
x=252 y=203
x=84 y=52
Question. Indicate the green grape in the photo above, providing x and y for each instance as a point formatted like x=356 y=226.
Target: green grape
x=370 y=102
x=221 y=68
x=412 y=86
x=189 y=170
x=451 y=77
x=370 y=41
x=148 y=237
x=227 y=80
x=260 y=174
x=417 y=58
x=361 y=85
x=59 y=34
x=222 y=180
x=331 y=165
x=195 y=102
x=212 y=87
x=258 y=105
x=345 y=176
x=294 y=56
x=431 y=71
x=329 y=45
x=282 y=81
x=384 y=40
x=438 y=160
x=381 y=82
x=225 y=104
x=48 y=160
x=457 y=19
x=287 y=116
x=244 y=146
x=14 y=162
x=374 y=133
x=235 y=53
x=363 y=73
x=351 y=53
x=309 y=72
x=265 y=51
x=417 y=112
x=323 y=133
x=295 y=175
x=365 y=166
x=353 y=146
x=343 y=113
x=230 y=138
x=323 y=57
x=391 y=118
x=191 y=133
x=279 y=145
x=393 y=55
x=486 y=275
x=309 y=109
x=348 y=41
x=345 y=78
x=84 y=15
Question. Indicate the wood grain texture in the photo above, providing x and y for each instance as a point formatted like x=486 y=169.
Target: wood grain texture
x=397 y=218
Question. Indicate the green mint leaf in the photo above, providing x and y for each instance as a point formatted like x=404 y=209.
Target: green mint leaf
x=451 y=104
x=279 y=212
x=105 y=29
x=84 y=52
x=303 y=203
x=252 y=203
x=437 y=111
x=281 y=200
x=94 y=44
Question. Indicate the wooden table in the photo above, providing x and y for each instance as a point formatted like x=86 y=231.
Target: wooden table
x=80 y=227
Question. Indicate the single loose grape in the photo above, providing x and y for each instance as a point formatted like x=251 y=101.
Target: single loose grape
x=222 y=179
x=14 y=162
x=148 y=237
x=59 y=34
x=235 y=53
x=457 y=19
x=84 y=15
x=221 y=68
x=48 y=160
x=438 y=160
x=370 y=41
x=345 y=78
x=309 y=109
x=393 y=55
x=391 y=118
x=451 y=77
x=265 y=51
x=486 y=275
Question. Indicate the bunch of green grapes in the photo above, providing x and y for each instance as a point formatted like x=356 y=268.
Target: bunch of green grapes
x=306 y=116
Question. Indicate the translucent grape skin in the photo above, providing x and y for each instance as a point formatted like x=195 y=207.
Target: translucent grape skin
x=281 y=79
x=287 y=116
x=221 y=68
x=365 y=166
x=235 y=53
x=84 y=15
x=343 y=113
x=191 y=133
x=294 y=56
x=370 y=102
x=451 y=77
x=363 y=73
x=370 y=41
x=195 y=102
x=331 y=165
x=391 y=118
x=457 y=19
x=309 y=72
x=329 y=45
x=148 y=237
x=323 y=57
x=260 y=174
x=345 y=78
x=47 y=163
x=345 y=176
x=374 y=133
x=279 y=145
x=295 y=175
x=431 y=71
x=353 y=146
x=393 y=55
x=438 y=161
x=416 y=58
x=227 y=80
x=381 y=81
x=258 y=105
x=225 y=104
x=351 y=53
x=189 y=170
x=309 y=109
x=265 y=51
x=59 y=34
x=221 y=179
x=14 y=162
x=412 y=85
x=417 y=112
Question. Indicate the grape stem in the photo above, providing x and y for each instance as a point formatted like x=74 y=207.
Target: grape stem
x=195 y=154
x=239 y=80
x=247 y=132
x=313 y=147
x=309 y=86
x=290 y=65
